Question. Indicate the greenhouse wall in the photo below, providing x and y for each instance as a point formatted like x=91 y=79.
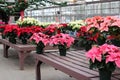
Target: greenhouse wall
x=77 y=11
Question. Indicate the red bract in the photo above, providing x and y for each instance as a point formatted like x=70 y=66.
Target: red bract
x=23 y=30
x=11 y=28
x=62 y=25
x=50 y=30
x=37 y=29
x=82 y=31
x=94 y=37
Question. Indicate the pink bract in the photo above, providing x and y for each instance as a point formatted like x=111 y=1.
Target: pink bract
x=110 y=52
x=62 y=39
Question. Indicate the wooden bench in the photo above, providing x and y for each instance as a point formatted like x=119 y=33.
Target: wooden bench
x=23 y=50
x=74 y=64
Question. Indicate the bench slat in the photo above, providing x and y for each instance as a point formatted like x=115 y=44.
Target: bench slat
x=72 y=65
x=62 y=67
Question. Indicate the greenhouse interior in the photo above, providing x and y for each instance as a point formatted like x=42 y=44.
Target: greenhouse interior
x=59 y=39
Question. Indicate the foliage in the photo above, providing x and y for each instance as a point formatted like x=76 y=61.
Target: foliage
x=19 y=5
x=104 y=56
x=114 y=35
x=91 y=37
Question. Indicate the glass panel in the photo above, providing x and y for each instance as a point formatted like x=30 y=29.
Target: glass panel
x=97 y=6
x=114 y=11
x=105 y=5
x=115 y=4
x=106 y=11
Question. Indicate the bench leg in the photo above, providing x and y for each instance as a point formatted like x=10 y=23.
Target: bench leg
x=22 y=56
x=5 y=50
x=38 y=71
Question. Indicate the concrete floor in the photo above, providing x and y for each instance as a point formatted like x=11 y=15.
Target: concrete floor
x=9 y=68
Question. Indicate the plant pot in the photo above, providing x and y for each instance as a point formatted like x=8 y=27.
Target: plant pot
x=62 y=50
x=105 y=74
x=3 y=36
x=116 y=42
x=12 y=40
x=24 y=41
x=40 y=48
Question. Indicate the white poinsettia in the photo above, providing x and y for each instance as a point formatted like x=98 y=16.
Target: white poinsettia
x=28 y=22
x=75 y=25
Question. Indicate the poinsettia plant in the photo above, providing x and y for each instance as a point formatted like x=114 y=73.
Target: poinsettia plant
x=62 y=40
x=104 y=56
x=24 y=34
x=50 y=29
x=41 y=40
x=40 y=37
x=100 y=30
x=28 y=22
x=11 y=30
x=75 y=25
x=90 y=37
x=62 y=27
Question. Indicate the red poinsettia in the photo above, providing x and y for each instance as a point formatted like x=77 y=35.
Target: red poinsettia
x=11 y=30
x=50 y=30
x=62 y=27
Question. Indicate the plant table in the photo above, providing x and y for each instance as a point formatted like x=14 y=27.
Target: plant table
x=23 y=50
x=74 y=64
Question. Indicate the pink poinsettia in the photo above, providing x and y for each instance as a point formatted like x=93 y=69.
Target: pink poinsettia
x=102 y=23
x=104 y=55
x=62 y=39
x=37 y=37
x=94 y=53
